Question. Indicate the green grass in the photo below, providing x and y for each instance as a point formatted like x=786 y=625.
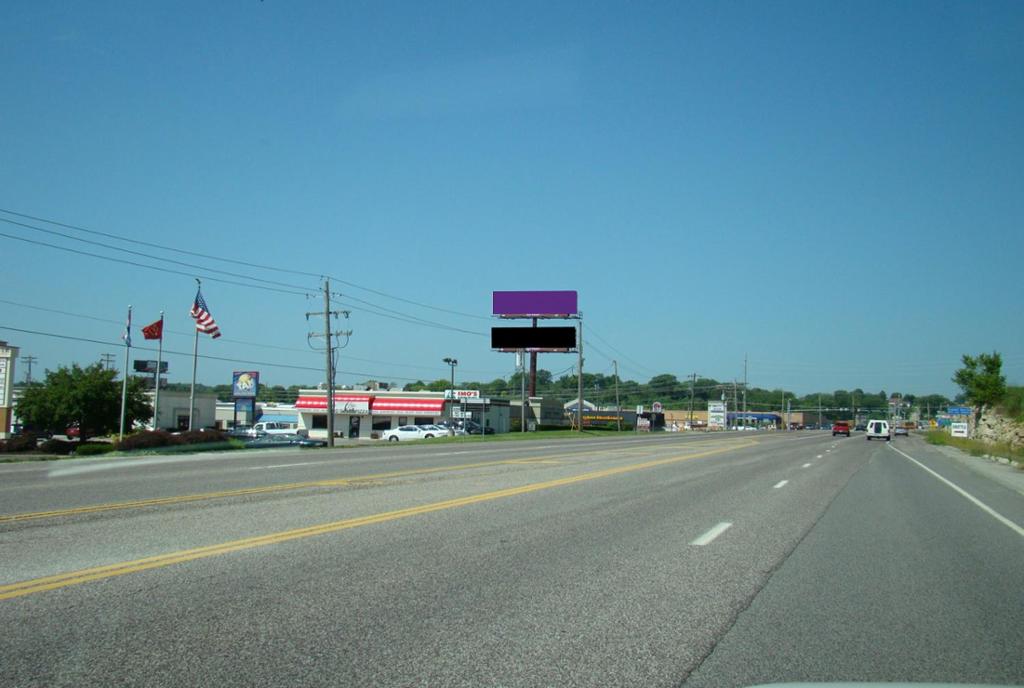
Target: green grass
x=974 y=447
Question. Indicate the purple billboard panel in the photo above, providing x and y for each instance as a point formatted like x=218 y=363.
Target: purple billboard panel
x=534 y=304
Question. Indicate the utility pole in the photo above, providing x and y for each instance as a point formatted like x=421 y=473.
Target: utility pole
x=107 y=360
x=744 y=390
x=693 y=380
x=618 y=407
x=28 y=361
x=735 y=404
x=329 y=348
x=819 y=410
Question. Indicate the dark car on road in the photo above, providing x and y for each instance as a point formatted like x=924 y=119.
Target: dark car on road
x=283 y=440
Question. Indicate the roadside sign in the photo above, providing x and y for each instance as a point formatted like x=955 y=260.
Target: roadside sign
x=656 y=407
x=959 y=410
x=639 y=409
x=958 y=429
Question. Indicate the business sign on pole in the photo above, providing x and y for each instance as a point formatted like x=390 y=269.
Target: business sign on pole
x=245 y=384
x=958 y=429
x=462 y=394
x=534 y=304
x=141 y=366
x=716 y=414
x=556 y=339
x=656 y=407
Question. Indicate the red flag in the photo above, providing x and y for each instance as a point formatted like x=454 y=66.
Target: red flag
x=154 y=331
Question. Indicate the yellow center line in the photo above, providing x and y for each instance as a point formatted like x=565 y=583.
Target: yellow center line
x=37 y=585
x=338 y=482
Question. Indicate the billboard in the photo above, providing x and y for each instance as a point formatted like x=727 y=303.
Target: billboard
x=533 y=338
x=534 y=304
x=245 y=384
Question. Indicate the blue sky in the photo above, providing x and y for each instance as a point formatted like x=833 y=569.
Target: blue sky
x=835 y=190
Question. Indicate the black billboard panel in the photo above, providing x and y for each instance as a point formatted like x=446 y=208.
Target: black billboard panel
x=533 y=338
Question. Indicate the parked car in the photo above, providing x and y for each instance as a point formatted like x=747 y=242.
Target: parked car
x=265 y=440
x=878 y=429
x=841 y=427
x=431 y=430
x=406 y=432
x=473 y=428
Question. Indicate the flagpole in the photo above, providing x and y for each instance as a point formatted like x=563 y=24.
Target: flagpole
x=195 y=360
x=159 y=364
x=124 y=382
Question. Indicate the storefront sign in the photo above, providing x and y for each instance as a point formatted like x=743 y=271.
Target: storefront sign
x=461 y=393
x=245 y=384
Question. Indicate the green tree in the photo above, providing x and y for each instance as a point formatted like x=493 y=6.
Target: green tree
x=982 y=380
x=89 y=396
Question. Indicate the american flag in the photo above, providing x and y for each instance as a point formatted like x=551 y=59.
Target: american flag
x=204 y=320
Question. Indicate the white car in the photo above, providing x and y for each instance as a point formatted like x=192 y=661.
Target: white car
x=408 y=432
x=878 y=429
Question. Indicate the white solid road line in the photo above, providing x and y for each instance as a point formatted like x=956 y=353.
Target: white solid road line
x=286 y=465
x=977 y=502
x=712 y=534
x=781 y=483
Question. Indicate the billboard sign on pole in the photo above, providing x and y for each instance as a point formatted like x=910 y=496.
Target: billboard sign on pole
x=534 y=304
x=533 y=338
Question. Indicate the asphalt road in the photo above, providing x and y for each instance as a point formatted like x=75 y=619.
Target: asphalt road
x=708 y=560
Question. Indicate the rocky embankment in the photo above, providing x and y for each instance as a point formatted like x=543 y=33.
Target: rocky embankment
x=996 y=429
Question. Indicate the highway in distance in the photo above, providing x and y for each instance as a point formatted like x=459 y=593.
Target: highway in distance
x=727 y=559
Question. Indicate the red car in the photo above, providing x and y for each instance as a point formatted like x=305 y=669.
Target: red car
x=840 y=427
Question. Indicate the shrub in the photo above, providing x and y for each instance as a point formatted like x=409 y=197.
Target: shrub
x=201 y=437
x=52 y=446
x=147 y=439
x=19 y=443
x=1013 y=403
x=93 y=448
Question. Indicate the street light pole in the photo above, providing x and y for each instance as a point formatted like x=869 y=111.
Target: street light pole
x=452 y=362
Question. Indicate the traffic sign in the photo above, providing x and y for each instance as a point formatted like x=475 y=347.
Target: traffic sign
x=959 y=410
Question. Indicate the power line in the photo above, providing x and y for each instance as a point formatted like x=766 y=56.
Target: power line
x=152 y=257
x=149 y=267
x=271 y=364
x=304 y=351
x=304 y=291
x=247 y=264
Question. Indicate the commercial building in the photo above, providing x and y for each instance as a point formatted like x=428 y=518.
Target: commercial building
x=173 y=411
x=366 y=414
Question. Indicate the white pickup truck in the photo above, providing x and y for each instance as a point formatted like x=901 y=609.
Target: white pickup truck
x=273 y=427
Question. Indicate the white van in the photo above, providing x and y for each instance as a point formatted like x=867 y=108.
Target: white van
x=273 y=427
x=879 y=429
